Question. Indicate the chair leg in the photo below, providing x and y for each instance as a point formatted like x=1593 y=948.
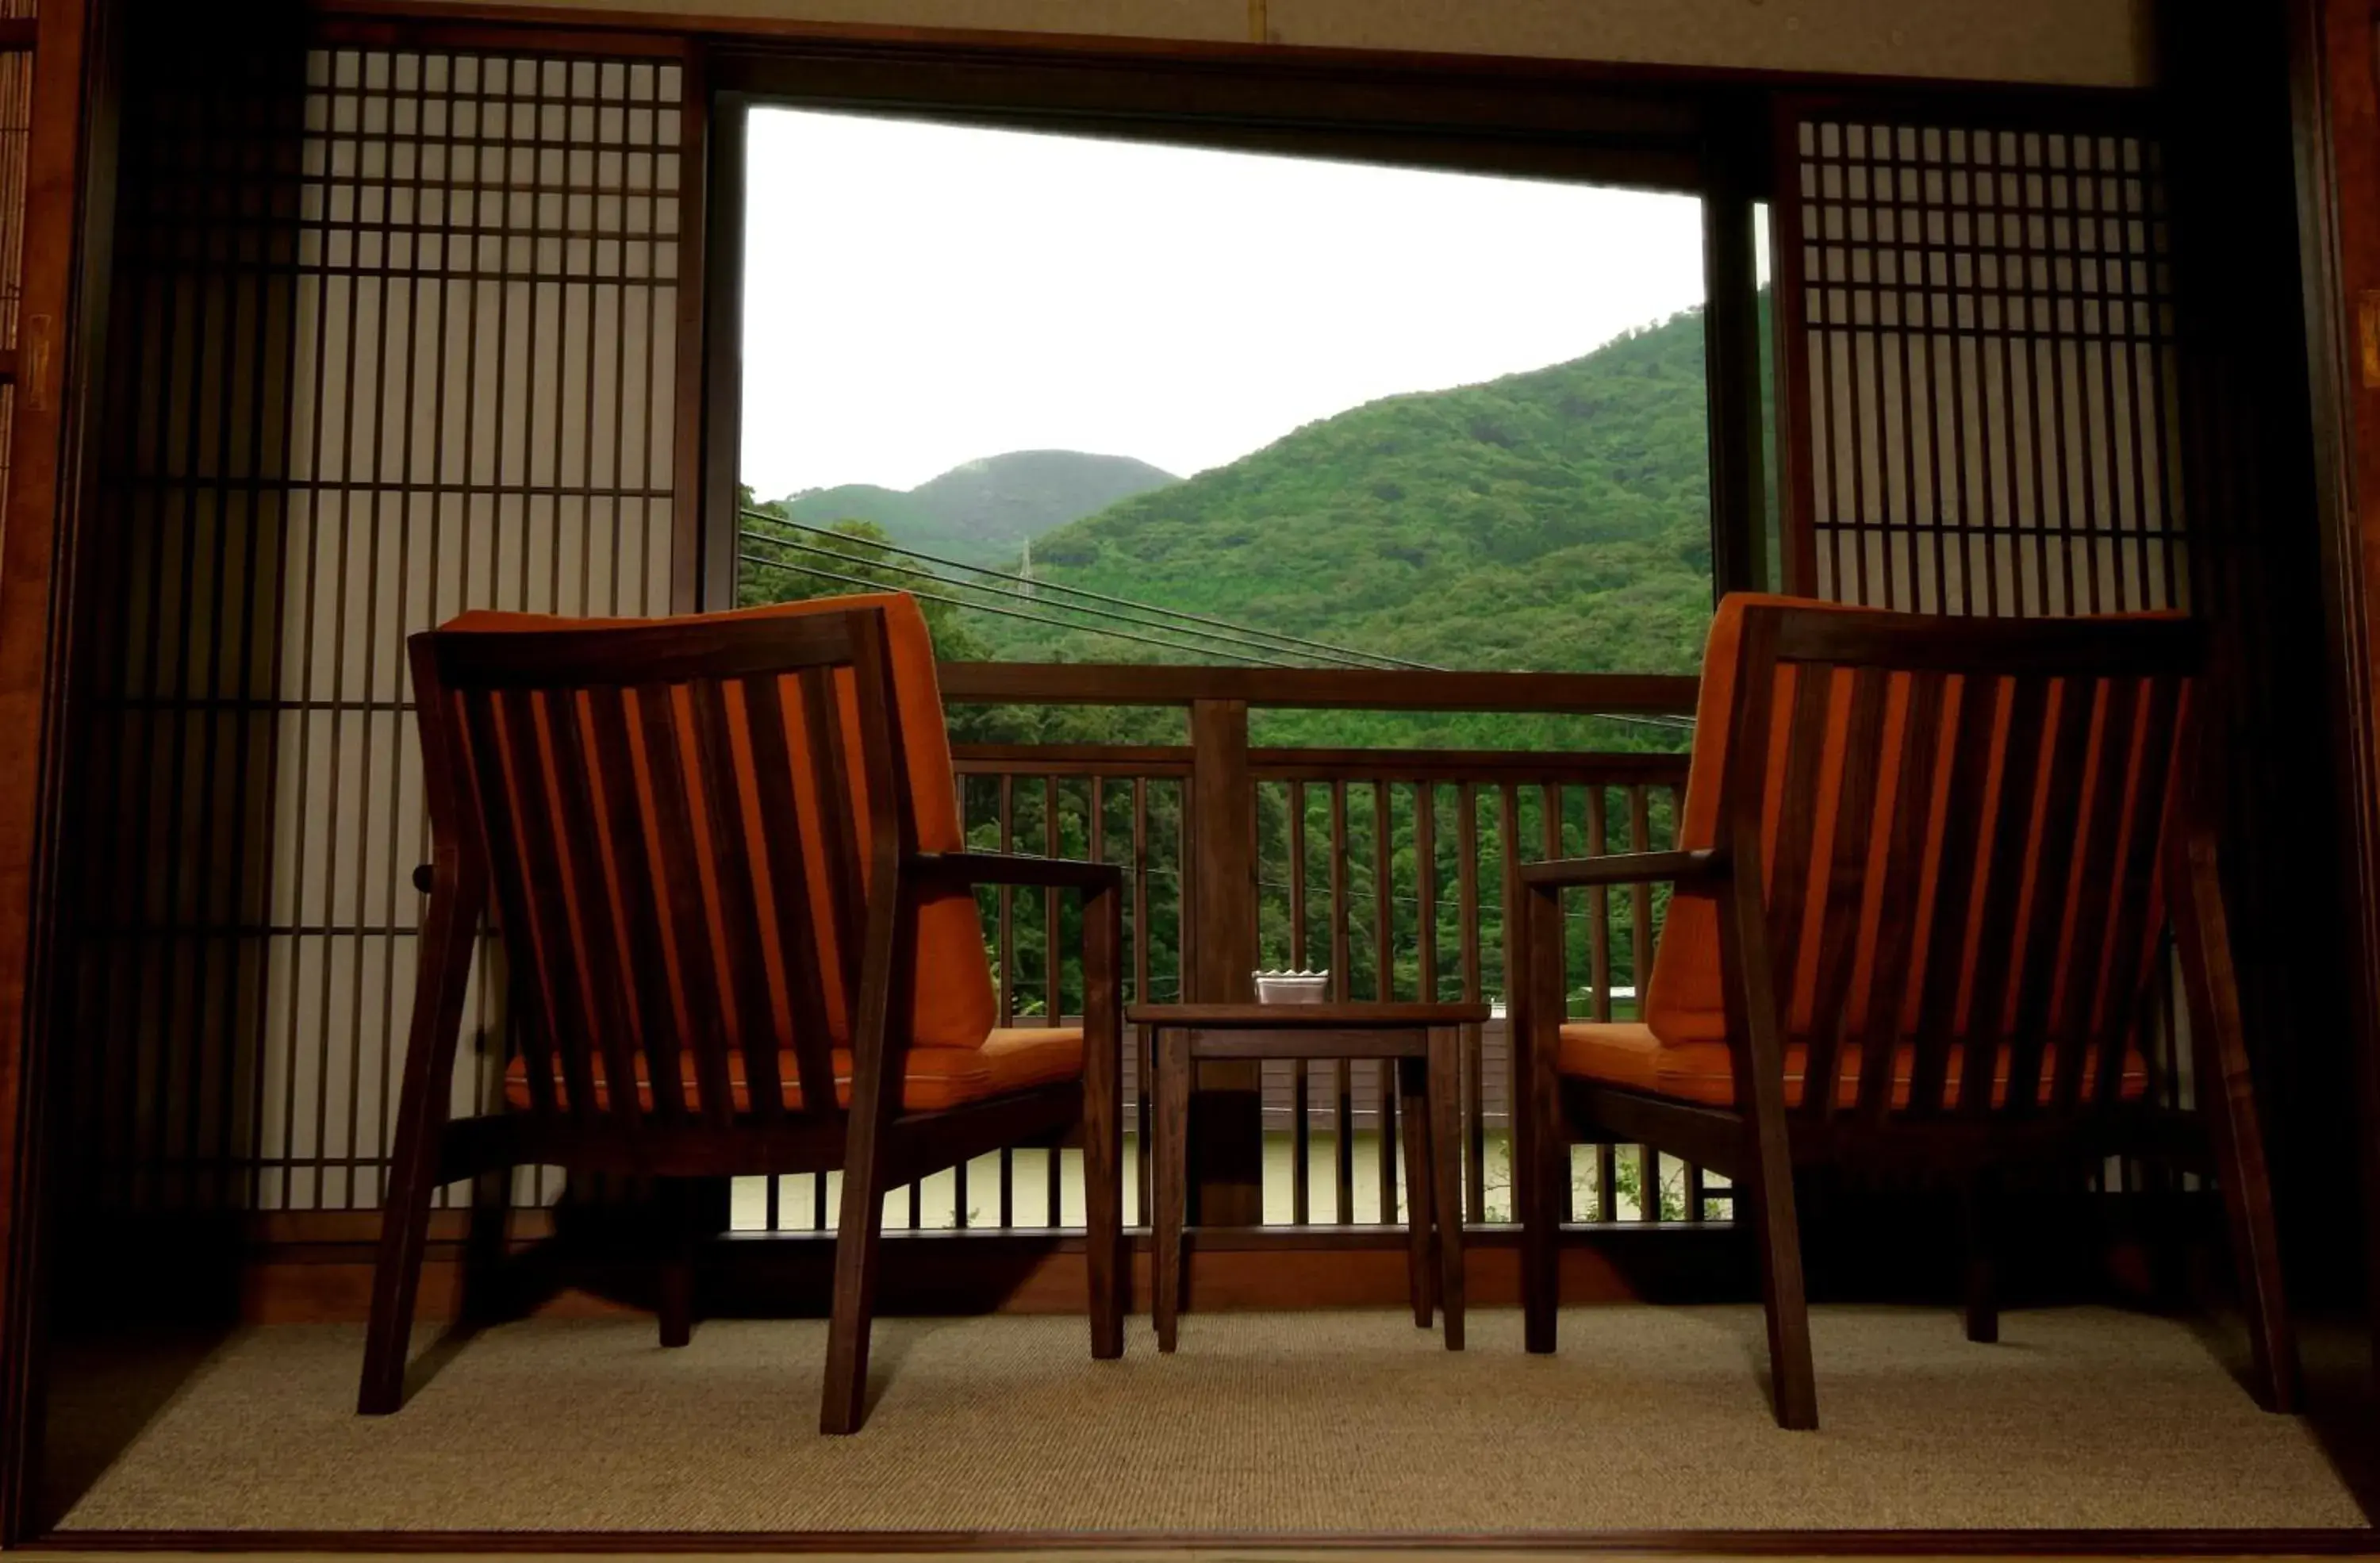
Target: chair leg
x=1764 y=1183
x=1538 y=1172
x=859 y=1237
x=1421 y=1222
x=2226 y=1086
x=486 y=1294
x=1170 y=1151
x=1977 y=1208
x=1103 y=1218
x=1446 y=1166
x=1777 y=1232
x=2248 y=1203
x=1541 y=1132
x=2247 y=1192
x=396 y=1277
x=676 y=1214
x=440 y=975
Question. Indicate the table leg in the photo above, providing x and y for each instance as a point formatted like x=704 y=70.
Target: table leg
x=1171 y=1153
x=1446 y=1166
x=1420 y=1225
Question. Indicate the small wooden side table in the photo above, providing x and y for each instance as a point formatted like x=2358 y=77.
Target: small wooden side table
x=1424 y=1039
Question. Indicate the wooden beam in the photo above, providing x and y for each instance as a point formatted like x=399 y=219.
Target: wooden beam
x=592 y=25
x=985 y=1273
x=1097 y=683
x=1585 y=766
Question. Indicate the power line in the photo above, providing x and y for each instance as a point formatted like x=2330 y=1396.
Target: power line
x=979 y=607
x=912 y=571
x=1041 y=587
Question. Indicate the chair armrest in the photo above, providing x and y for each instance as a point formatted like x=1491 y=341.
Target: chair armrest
x=967 y=869
x=1624 y=868
x=1101 y=887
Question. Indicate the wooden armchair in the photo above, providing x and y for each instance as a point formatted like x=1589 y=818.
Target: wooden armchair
x=726 y=855
x=1926 y=863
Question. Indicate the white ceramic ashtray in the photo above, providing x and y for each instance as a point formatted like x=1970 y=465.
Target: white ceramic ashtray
x=1293 y=987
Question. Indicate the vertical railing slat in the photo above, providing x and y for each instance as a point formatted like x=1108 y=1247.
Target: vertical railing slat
x=1053 y=967
x=1140 y=945
x=1598 y=908
x=1425 y=888
x=1007 y=979
x=1384 y=983
x=1475 y=1038
x=1508 y=831
x=1343 y=987
x=1301 y=1129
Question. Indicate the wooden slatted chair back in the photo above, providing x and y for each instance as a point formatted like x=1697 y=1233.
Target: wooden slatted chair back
x=680 y=823
x=1960 y=826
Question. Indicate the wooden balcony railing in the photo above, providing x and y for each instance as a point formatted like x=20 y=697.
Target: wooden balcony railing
x=1390 y=868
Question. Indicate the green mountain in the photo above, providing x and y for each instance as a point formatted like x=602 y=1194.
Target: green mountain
x=982 y=512
x=1553 y=519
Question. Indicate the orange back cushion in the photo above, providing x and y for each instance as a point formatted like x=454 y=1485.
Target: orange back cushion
x=1686 y=1002
x=952 y=1004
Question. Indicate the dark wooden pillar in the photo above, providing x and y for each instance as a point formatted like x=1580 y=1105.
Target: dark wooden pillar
x=1226 y=1113
x=1733 y=158
x=2334 y=103
x=52 y=348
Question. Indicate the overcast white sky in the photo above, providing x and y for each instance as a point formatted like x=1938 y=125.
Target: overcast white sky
x=919 y=295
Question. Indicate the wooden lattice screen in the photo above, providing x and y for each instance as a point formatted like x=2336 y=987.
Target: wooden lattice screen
x=1982 y=372
x=396 y=333
x=1980 y=350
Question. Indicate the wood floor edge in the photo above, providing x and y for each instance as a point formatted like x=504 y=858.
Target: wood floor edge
x=1236 y=1547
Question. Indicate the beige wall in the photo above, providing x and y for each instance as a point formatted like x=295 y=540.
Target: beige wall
x=2078 y=42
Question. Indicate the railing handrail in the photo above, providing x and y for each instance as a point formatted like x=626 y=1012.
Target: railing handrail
x=1294 y=763
x=1610 y=767
x=1150 y=683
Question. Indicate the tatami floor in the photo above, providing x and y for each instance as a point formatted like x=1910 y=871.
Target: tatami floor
x=1266 y=1425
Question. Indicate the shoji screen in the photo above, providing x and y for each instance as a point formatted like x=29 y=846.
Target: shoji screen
x=2034 y=363
x=397 y=333
x=1980 y=350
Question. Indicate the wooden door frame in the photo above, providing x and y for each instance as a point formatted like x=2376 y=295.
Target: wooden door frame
x=63 y=270
x=2335 y=102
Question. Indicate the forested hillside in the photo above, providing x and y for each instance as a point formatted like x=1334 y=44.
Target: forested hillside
x=1556 y=519
x=981 y=512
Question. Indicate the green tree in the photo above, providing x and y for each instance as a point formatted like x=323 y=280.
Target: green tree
x=784 y=565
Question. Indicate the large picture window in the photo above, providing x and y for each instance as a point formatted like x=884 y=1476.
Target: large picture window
x=1105 y=401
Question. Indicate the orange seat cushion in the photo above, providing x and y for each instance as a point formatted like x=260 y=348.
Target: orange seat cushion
x=1631 y=1056
x=952 y=1006
x=937 y=1078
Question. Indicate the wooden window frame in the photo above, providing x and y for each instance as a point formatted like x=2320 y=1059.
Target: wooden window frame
x=1697 y=134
